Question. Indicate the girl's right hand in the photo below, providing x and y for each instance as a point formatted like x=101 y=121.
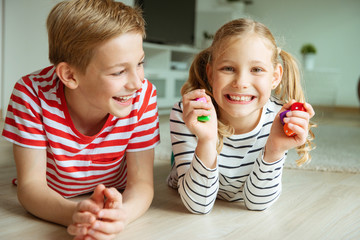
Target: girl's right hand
x=192 y=109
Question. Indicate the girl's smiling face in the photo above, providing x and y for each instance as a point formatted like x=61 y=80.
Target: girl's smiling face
x=242 y=76
x=113 y=76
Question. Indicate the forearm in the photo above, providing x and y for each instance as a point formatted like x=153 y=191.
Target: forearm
x=34 y=193
x=45 y=203
x=263 y=186
x=198 y=187
x=271 y=155
x=137 y=199
x=206 y=151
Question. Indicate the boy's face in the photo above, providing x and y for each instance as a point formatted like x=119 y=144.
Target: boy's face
x=113 y=75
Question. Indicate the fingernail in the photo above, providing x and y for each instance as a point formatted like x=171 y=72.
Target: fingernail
x=286 y=120
x=91 y=232
x=95 y=225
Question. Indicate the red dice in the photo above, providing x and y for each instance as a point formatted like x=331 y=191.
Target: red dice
x=297 y=107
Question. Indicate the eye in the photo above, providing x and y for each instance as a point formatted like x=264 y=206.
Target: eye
x=118 y=73
x=257 y=69
x=141 y=63
x=228 y=69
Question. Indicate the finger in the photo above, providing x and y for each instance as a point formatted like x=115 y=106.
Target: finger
x=113 y=198
x=300 y=132
x=208 y=99
x=77 y=230
x=111 y=215
x=88 y=206
x=99 y=235
x=88 y=237
x=201 y=112
x=83 y=238
x=79 y=238
x=197 y=93
x=98 y=195
x=301 y=122
x=298 y=114
x=200 y=105
x=287 y=105
x=84 y=218
x=309 y=109
x=111 y=227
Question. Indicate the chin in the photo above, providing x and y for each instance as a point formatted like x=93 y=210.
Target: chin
x=121 y=113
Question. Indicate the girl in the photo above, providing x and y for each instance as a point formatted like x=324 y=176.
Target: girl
x=238 y=155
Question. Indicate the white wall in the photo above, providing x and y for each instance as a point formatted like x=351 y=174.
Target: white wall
x=25 y=41
x=333 y=26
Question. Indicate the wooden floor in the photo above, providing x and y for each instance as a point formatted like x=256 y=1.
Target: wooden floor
x=313 y=205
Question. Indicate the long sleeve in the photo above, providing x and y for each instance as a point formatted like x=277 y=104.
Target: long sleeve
x=197 y=185
x=263 y=186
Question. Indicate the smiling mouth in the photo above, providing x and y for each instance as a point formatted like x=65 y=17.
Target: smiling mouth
x=123 y=99
x=240 y=99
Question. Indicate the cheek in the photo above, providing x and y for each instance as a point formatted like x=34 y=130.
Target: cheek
x=140 y=73
x=266 y=89
x=109 y=89
x=216 y=93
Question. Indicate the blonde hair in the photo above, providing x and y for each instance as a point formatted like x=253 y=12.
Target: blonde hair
x=77 y=27
x=289 y=88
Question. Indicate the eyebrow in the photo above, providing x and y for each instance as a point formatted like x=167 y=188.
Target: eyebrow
x=251 y=62
x=125 y=63
x=258 y=62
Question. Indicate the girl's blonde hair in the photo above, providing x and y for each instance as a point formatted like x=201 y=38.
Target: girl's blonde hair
x=289 y=87
x=77 y=27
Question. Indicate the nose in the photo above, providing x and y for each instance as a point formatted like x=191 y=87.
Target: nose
x=135 y=80
x=241 y=80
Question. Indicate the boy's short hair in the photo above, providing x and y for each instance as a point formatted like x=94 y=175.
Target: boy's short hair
x=76 y=27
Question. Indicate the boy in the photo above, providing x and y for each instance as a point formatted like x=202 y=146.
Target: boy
x=88 y=123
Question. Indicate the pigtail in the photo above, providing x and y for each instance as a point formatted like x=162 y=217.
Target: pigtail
x=197 y=74
x=290 y=88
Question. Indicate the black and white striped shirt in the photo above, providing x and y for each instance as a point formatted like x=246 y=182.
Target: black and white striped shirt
x=241 y=173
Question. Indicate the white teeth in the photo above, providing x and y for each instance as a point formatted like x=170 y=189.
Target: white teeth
x=123 y=99
x=241 y=98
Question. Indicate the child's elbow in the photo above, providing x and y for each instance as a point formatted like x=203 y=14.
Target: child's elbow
x=251 y=206
x=199 y=209
x=256 y=208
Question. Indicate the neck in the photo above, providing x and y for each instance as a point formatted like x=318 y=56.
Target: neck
x=85 y=119
x=244 y=124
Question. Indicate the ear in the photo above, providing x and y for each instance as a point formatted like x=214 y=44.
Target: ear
x=277 y=76
x=66 y=73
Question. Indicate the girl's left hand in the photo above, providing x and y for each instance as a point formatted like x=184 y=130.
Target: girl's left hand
x=111 y=220
x=298 y=122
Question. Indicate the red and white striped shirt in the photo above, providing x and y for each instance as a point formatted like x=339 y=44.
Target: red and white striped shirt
x=38 y=117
